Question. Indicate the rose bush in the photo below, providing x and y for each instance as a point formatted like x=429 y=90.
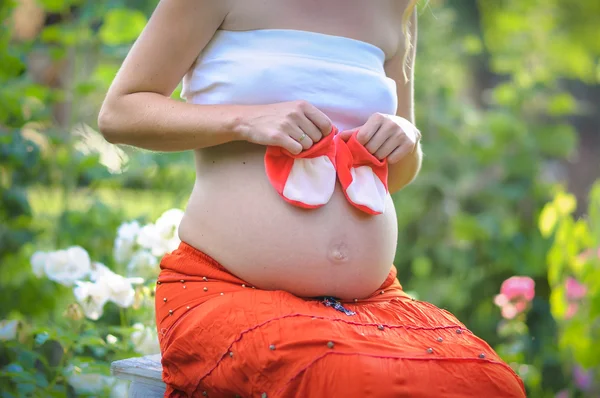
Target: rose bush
x=574 y=278
x=91 y=336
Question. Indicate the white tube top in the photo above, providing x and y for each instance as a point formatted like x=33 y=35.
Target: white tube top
x=342 y=77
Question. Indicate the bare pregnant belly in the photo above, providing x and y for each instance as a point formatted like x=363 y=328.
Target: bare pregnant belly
x=236 y=217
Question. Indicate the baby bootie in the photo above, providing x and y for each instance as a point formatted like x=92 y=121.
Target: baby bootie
x=306 y=180
x=363 y=177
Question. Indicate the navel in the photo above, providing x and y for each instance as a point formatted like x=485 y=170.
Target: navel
x=338 y=252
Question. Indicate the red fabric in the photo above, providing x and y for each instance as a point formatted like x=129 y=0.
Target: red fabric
x=224 y=338
x=353 y=154
x=279 y=162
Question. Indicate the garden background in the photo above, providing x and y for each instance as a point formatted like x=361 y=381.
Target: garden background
x=507 y=93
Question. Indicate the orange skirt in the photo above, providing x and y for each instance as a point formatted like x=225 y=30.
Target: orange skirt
x=221 y=337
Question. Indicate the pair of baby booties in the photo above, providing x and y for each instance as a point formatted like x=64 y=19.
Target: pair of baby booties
x=308 y=179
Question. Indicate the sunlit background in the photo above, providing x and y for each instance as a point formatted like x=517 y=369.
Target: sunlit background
x=502 y=227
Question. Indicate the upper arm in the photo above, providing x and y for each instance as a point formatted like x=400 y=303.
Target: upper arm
x=175 y=35
x=395 y=69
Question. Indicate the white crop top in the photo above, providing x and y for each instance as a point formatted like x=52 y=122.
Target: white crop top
x=342 y=77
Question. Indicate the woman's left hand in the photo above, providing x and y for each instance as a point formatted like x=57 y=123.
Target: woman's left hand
x=387 y=136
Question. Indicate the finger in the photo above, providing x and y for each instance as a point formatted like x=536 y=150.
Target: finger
x=301 y=137
x=291 y=145
x=389 y=146
x=346 y=134
x=368 y=130
x=319 y=119
x=399 y=153
x=381 y=135
x=410 y=129
x=310 y=129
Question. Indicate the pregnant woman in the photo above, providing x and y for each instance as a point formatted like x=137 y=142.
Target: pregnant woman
x=300 y=115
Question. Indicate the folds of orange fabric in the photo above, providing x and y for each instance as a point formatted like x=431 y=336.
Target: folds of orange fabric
x=220 y=336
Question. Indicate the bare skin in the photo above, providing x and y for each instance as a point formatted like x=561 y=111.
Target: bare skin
x=233 y=214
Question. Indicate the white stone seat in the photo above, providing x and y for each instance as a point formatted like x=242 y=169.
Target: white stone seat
x=145 y=375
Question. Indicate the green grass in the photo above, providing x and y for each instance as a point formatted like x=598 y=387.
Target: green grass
x=49 y=202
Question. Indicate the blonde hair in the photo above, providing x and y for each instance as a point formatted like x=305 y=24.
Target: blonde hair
x=410 y=8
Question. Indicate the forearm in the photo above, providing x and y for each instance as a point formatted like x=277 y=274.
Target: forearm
x=405 y=171
x=153 y=121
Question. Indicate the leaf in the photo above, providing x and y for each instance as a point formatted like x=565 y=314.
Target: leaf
x=469 y=227
x=105 y=74
x=558 y=302
x=557 y=140
x=505 y=94
x=54 y=5
x=68 y=35
x=594 y=213
x=561 y=105
x=85 y=88
x=41 y=338
x=565 y=203
x=90 y=341
x=555 y=261
x=472 y=45
x=122 y=26
x=576 y=338
x=422 y=266
x=25 y=389
x=547 y=220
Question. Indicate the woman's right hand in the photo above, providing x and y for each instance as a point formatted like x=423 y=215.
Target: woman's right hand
x=293 y=125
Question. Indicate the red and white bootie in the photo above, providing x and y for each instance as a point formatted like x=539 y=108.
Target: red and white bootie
x=305 y=180
x=363 y=177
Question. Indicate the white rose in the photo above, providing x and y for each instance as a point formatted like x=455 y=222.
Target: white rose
x=87 y=383
x=91 y=297
x=150 y=239
x=67 y=266
x=161 y=238
x=172 y=243
x=143 y=263
x=38 y=262
x=99 y=271
x=116 y=288
x=125 y=241
x=8 y=330
x=120 y=288
x=168 y=223
x=145 y=340
x=128 y=231
x=111 y=339
x=122 y=250
x=120 y=389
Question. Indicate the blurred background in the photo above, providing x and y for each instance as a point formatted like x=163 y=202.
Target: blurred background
x=502 y=227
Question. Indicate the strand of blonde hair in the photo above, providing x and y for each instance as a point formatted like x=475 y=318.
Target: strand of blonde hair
x=410 y=8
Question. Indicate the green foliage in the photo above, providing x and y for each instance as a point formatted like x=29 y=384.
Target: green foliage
x=470 y=220
x=122 y=26
x=538 y=42
x=575 y=254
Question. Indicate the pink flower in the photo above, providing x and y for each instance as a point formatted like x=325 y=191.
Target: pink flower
x=562 y=394
x=572 y=309
x=501 y=300
x=589 y=254
x=583 y=379
x=574 y=289
x=518 y=287
x=509 y=311
x=515 y=294
x=521 y=305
